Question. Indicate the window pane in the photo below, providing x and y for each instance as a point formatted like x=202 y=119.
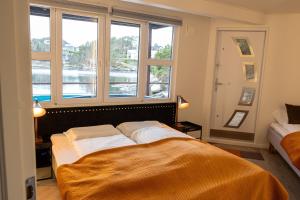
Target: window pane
x=124 y=59
x=40 y=29
x=158 y=91
x=158 y=82
x=41 y=80
x=79 y=56
x=159 y=74
x=161 y=40
x=122 y=90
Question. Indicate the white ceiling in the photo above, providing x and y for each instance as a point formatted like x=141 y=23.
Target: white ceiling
x=266 y=6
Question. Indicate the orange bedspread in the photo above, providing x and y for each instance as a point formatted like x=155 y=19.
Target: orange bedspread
x=291 y=144
x=170 y=169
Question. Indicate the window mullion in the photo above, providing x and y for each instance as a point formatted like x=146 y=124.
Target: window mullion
x=107 y=59
x=142 y=83
x=58 y=57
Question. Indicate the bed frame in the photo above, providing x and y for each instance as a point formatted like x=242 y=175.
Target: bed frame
x=58 y=120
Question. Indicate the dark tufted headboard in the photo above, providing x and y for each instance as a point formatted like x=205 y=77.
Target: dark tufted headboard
x=58 y=120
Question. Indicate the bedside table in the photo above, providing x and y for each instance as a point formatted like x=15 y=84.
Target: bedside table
x=186 y=127
x=43 y=152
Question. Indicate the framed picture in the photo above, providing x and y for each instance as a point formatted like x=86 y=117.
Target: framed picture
x=247 y=96
x=249 y=70
x=237 y=119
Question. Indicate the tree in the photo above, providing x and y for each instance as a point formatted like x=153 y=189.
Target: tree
x=164 y=53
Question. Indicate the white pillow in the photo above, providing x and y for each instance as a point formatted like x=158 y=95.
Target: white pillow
x=127 y=128
x=79 y=133
x=280 y=115
x=151 y=134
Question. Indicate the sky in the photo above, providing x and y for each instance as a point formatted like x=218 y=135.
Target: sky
x=79 y=32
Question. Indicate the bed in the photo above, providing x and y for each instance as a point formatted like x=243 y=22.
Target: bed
x=277 y=131
x=151 y=162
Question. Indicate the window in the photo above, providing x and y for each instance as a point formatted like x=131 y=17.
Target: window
x=41 y=80
x=158 y=82
x=40 y=29
x=79 y=56
x=41 y=48
x=124 y=59
x=68 y=48
x=161 y=40
x=160 y=61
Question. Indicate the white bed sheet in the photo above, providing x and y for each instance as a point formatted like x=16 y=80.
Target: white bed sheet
x=285 y=129
x=279 y=129
x=152 y=134
x=66 y=152
x=90 y=145
x=62 y=151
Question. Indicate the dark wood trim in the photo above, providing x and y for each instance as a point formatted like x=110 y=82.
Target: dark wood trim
x=232 y=135
x=59 y=120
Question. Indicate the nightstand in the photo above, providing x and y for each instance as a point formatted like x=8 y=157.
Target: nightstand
x=186 y=127
x=43 y=152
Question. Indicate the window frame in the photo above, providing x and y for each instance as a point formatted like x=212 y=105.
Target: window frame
x=138 y=97
x=48 y=56
x=103 y=53
x=172 y=63
x=59 y=68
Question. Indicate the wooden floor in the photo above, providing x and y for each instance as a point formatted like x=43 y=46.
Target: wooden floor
x=47 y=189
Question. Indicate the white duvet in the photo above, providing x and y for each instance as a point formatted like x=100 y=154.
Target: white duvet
x=152 y=134
x=90 y=145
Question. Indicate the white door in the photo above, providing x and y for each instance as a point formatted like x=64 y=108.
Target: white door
x=239 y=61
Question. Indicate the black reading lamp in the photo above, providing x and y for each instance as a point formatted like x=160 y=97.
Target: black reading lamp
x=38 y=111
x=181 y=104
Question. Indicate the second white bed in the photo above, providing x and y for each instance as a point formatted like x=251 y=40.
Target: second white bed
x=276 y=133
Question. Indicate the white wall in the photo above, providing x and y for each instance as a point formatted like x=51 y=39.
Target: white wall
x=16 y=96
x=282 y=72
x=191 y=69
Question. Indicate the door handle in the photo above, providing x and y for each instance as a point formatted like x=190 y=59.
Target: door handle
x=217 y=83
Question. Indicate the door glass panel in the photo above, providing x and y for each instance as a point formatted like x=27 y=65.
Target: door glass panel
x=250 y=72
x=79 y=56
x=244 y=47
x=247 y=96
x=41 y=80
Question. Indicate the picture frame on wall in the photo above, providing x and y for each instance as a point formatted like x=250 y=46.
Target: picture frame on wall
x=249 y=70
x=247 y=96
x=237 y=119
